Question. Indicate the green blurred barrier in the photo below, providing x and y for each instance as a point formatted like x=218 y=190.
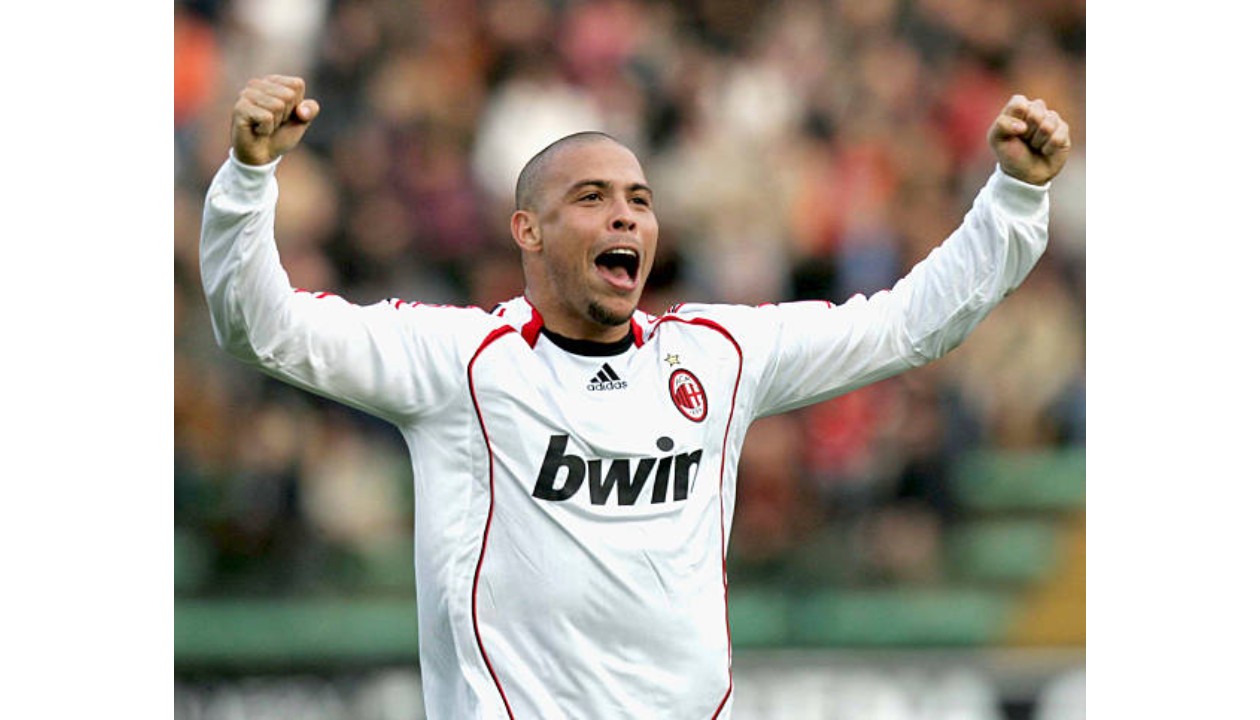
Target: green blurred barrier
x=1014 y=551
x=259 y=633
x=916 y=618
x=1021 y=481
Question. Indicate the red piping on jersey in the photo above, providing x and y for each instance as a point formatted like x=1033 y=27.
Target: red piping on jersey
x=485 y=534
x=827 y=303
x=318 y=295
x=637 y=331
x=531 y=329
x=739 y=375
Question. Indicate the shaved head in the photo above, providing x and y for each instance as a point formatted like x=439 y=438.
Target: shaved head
x=530 y=182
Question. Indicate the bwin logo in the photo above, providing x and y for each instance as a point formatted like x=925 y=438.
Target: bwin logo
x=675 y=468
x=607 y=379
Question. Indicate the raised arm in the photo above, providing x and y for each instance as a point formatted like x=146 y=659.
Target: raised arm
x=824 y=351
x=378 y=358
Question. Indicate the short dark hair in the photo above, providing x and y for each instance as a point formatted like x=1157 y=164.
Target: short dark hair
x=527 y=183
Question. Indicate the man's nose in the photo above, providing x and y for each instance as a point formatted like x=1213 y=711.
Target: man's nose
x=622 y=220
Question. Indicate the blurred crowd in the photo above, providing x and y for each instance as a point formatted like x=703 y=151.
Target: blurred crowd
x=804 y=149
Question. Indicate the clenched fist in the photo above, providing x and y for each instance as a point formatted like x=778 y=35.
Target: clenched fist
x=1031 y=142
x=270 y=117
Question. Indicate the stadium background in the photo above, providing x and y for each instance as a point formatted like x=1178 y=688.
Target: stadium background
x=912 y=550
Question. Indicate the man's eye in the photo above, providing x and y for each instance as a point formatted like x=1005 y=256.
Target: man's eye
x=589 y=197
x=641 y=201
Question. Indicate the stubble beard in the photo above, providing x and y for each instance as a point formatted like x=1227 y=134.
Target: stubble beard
x=604 y=316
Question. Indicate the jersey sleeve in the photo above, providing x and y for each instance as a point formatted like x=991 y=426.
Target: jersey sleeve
x=812 y=351
x=391 y=359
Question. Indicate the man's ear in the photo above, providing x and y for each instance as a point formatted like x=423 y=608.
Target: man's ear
x=525 y=231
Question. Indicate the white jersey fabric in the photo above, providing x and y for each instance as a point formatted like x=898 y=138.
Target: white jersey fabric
x=573 y=501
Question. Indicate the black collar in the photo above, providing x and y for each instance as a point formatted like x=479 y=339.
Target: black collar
x=590 y=348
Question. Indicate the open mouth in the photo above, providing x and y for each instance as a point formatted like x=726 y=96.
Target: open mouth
x=620 y=266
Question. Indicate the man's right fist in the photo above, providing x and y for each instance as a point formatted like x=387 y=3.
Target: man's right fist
x=269 y=118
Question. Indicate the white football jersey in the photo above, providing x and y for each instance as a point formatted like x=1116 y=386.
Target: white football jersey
x=574 y=500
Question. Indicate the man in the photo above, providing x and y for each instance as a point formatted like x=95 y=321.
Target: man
x=574 y=457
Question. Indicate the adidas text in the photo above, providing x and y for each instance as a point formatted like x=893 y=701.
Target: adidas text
x=606 y=379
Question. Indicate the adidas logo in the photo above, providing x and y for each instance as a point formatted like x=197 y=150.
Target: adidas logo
x=606 y=379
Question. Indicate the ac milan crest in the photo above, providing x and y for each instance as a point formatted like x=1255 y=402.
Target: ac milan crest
x=688 y=395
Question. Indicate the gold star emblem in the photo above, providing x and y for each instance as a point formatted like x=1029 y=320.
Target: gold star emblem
x=672 y=360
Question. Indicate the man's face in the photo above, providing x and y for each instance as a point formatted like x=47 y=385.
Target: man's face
x=598 y=232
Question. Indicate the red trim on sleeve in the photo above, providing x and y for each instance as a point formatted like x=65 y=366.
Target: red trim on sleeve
x=318 y=295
